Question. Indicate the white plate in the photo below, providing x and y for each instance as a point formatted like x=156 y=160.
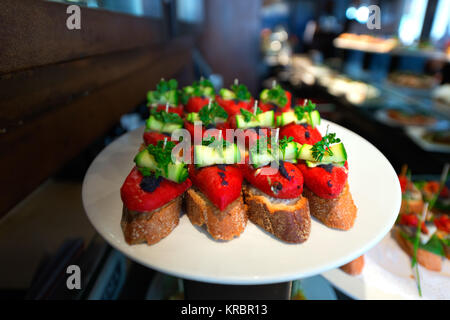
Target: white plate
x=387 y=274
x=256 y=257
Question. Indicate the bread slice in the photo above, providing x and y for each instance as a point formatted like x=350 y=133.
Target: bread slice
x=151 y=227
x=425 y=258
x=354 y=267
x=338 y=213
x=221 y=225
x=288 y=220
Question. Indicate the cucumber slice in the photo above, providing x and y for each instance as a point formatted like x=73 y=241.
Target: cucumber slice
x=208 y=92
x=312 y=164
x=231 y=154
x=264 y=95
x=260 y=159
x=205 y=156
x=145 y=160
x=176 y=172
x=265 y=119
x=192 y=117
x=338 y=151
x=227 y=94
x=155 y=125
x=290 y=152
x=313 y=118
x=171 y=127
x=286 y=118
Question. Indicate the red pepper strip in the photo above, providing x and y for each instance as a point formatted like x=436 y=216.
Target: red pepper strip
x=233 y=107
x=136 y=199
x=194 y=104
x=220 y=184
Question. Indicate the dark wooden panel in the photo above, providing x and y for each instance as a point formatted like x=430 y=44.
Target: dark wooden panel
x=34 y=33
x=230 y=40
x=26 y=94
x=34 y=151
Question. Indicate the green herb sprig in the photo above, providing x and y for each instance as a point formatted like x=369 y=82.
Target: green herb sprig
x=241 y=92
x=248 y=116
x=276 y=95
x=207 y=114
x=284 y=142
x=162 y=152
x=166 y=117
x=166 y=92
x=323 y=146
x=202 y=88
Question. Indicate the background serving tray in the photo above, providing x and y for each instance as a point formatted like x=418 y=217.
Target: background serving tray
x=256 y=257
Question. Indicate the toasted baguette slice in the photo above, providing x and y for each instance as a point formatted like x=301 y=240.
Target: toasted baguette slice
x=425 y=258
x=288 y=220
x=151 y=227
x=338 y=213
x=354 y=267
x=221 y=225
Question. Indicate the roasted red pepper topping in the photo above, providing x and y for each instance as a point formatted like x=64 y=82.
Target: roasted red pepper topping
x=222 y=127
x=194 y=104
x=302 y=133
x=233 y=107
x=136 y=199
x=220 y=184
x=152 y=137
x=411 y=220
x=178 y=110
x=286 y=183
x=326 y=181
x=442 y=223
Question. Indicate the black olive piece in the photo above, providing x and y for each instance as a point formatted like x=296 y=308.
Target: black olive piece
x=283 y=170
x=222 y=167
x=327 y=167
x=150 y=183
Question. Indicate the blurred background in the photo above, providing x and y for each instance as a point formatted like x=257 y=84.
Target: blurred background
x=66 y=94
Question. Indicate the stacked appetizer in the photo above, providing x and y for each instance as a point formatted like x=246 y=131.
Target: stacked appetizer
x=422 y=228
x=152 y=194
x=284 y=172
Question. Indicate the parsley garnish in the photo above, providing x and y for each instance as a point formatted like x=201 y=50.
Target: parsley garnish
x=166 y=117
x=166 y=92
x=248 y=116
x=302 y=112
x=162 y=155
x=213 y=142
x=202 y=88
x=319 y=149
x=284 y=142
x=208 y=114
x=276 y=95
x=241 y=92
